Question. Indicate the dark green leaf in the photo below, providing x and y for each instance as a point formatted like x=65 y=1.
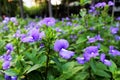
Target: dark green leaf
x=102 y=73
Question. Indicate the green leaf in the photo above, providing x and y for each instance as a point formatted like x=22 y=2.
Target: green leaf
x=81 y=39
x=102 y=73
x=70 y=73
x=93 y=65
x=35 y=67
x=78 y=76
x=11 y=72
x=68 y=66
x=59 y=65
x=113 y=67
x=117 y=79
x=83 y=2
x=101 y=66
x=104 y=48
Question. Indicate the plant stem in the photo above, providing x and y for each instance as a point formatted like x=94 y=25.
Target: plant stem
x=47 y=65
x=18 y=52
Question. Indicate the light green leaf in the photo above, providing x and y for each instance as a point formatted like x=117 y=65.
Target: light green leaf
x=81 y=39
x=11 y=72
x=113 y=67
x=35 y=67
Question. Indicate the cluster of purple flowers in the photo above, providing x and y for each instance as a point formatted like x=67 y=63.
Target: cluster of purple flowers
x=12 y=19
x=99 y=5
x=49 y=21
x=61 y=46
x=6 y=61
x=7 y=57
x=103 y=4
x=92 y=52
x=33 y=35
x=114 y=30
x=94 y=39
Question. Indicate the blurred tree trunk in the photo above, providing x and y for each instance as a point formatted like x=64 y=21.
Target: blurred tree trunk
x=0 y=9
x=67 y=4
x=21 y=8
x=5 y=7
x=50 y=8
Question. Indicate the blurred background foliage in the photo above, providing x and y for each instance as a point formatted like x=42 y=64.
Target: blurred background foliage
x=40 y=8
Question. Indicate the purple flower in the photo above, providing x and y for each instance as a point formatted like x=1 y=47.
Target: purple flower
x=14 y=20
x=91 y=28
x=27 y=39
x=58 y=29
x=66 y=54
x=91 y=40
x=41 y=45
x=6 y=65
x=105 y=61
x=102 y=57
x=17 y=34
x=41 y=35
x=6 y=20
x=5 y=28
x=69 y=23
x=32 y=36
x=59 y=44
x=9 y=46
x=98 y=37
x=13 y=77
x=7 y=57
x=103 y=4
x=117 y=38
x=114 y=30
x=91 y=51
x=81 y=60
x=94 y=39
x=7 y=77
x=110 y=3
x=47 y=21
x=118 y=18
x=113 y=51
x=34 y=33
x=98 y=5
x=67 y=18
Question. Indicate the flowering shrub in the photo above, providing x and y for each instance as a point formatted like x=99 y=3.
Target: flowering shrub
x=76 y=48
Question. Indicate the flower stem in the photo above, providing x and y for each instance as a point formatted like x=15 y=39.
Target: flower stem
x=46 y=71
x=47 y=65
